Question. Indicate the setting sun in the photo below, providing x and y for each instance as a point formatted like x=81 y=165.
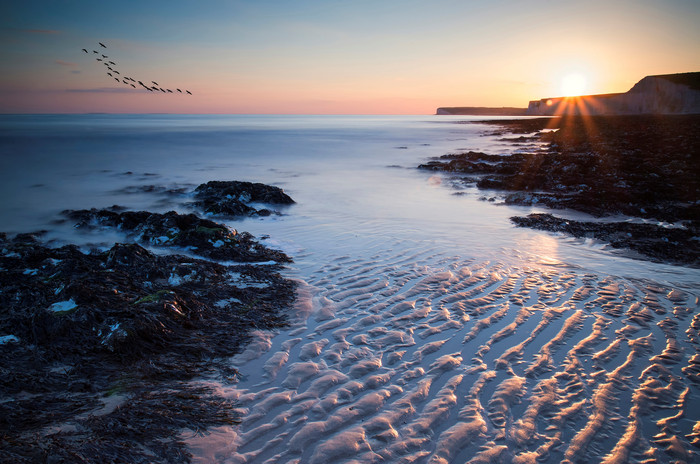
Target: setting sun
x=573 y=85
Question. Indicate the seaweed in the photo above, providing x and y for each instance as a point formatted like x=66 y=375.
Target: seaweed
x=85 y=328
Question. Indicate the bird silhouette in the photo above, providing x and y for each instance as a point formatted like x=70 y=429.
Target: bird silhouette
x=130 y=80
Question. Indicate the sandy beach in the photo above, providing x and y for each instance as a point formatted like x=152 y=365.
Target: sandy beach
x=468 y=362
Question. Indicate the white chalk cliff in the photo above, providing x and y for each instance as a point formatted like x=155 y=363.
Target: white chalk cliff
x=663 y=94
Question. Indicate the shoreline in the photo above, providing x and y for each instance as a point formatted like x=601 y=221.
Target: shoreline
x=637 y=166
x=99 y=349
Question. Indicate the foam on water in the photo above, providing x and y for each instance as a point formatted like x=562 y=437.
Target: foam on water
x=427 y=328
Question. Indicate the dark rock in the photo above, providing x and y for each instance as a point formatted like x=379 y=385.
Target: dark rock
x=663 y=244
x=201 y=236
x=635 y=165
x=124 y=321
x=641 y=166
x=231 y=198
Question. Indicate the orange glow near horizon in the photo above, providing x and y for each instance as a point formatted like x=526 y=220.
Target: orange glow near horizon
x=320 y=57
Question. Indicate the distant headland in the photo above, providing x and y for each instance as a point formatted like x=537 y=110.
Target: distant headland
x=660 y=94
x=482 y=111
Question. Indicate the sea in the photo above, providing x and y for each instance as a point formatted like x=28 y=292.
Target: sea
x=428 y=328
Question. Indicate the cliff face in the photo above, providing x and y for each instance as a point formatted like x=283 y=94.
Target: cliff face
x=664 y=94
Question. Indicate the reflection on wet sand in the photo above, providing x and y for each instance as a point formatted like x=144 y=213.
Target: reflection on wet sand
x=432 y=359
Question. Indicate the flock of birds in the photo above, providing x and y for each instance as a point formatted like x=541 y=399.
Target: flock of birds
x=113 y=73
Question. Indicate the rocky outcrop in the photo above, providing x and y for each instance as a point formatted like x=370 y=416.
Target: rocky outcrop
x=641 y=166
x=233 y=198
x=657 y=243
x=98 y=349
x=203 y=237
x=663 y=94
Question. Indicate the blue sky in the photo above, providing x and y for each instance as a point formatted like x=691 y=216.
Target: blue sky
x=335 y=56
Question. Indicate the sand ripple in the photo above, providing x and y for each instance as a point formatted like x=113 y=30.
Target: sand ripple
x=429 y=359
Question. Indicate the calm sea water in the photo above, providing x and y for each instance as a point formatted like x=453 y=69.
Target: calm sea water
x=353 y=177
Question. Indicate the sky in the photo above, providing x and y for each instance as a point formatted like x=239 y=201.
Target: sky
x=332 y=57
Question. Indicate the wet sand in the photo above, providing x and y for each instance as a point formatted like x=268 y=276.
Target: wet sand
x=430 y=358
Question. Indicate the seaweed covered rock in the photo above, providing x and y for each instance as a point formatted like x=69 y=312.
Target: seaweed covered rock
x=643 y=166
x=233 y=198
x=77 y=326
x=188 y=231
x=679 y=246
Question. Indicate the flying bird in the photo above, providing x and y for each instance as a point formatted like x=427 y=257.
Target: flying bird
x=129 y=80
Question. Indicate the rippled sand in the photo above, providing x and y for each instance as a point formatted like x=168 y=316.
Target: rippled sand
x=393 y=361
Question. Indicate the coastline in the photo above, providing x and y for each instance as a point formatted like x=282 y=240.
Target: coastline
x=99 y=348
x=642 y=167
x=413 y=332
